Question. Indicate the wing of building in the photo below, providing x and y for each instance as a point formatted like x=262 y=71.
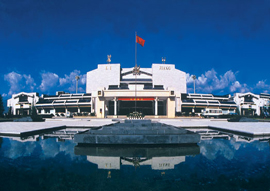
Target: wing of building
x=253 y=104
x=196 y=103
x=22 y=102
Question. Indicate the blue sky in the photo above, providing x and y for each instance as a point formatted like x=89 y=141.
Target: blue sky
x=45 y=44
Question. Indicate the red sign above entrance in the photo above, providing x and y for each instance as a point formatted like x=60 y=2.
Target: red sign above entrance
x=137 y=99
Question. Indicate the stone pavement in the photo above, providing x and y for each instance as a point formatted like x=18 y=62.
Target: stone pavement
x=248 y=128
x=19 y=128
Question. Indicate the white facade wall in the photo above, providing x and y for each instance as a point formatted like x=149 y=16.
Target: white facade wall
x=162 y=74
x=103 y=76
x=169 y=77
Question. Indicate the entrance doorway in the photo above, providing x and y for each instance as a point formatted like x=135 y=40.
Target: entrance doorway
x=144 y=107
x=248 y=112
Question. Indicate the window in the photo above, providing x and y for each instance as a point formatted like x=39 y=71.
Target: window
x=23 y=98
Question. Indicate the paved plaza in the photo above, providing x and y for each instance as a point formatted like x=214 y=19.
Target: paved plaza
x=18 y=128
x=249 y=128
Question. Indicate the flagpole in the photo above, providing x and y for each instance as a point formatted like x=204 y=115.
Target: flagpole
x=135 y=49
x=135 y=69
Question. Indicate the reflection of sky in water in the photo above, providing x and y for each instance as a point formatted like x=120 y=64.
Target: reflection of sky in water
x=47 y=148
x=51 y=165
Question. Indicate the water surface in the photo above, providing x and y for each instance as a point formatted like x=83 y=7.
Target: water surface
x=44 y=163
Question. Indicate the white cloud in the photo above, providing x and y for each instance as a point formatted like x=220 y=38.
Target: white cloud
x=49 y=149
x=236 y=85
x=210 y=82
x=262 y=85
x=29 y=81
x=189 y=78
x=4 y=95
x=220 y=148
x=13 y=79
x=201 y=80
x=70 y=81
x=49 y=80
x=18 y=149
x=245 y=88
x=19 y=82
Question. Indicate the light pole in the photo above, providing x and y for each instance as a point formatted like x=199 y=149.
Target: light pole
x=194 y=78
x=77 y=78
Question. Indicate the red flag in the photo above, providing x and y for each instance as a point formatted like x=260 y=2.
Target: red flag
x=140 y=40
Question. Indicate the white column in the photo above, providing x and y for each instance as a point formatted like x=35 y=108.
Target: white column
x=156 y=106
x=91 y=102
x=115 y=106
x=79 y=110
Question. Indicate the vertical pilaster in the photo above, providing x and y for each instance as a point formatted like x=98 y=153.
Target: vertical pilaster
x=156 y=106
x=171 y=107
x=115 y=106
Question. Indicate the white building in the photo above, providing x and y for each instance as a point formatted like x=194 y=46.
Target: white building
x=58 y=105
x=252 y=104
x=155 y=91
x=63 y=103
x=21 y=103
x=196 y=103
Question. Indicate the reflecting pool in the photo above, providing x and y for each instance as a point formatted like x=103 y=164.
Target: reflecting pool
x=54 y=162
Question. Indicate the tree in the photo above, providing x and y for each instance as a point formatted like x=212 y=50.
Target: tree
x=9 y=114
x=2 y=109
x=33 y=111
x=34 y=115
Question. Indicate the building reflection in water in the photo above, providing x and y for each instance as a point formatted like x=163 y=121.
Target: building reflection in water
x=208 y=134
x=205 y=133
x=158 y=157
